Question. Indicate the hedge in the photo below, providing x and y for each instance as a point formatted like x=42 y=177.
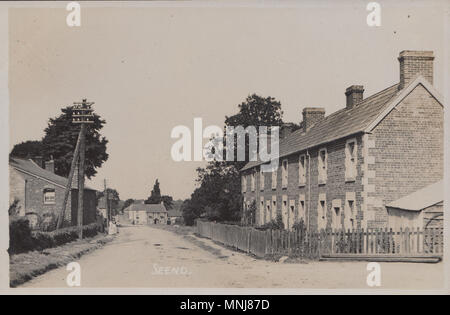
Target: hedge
x=22 y=239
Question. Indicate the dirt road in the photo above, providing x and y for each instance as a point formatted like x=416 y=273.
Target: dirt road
x=151 y=257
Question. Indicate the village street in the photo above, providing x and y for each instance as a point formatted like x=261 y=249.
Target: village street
x=153 y=257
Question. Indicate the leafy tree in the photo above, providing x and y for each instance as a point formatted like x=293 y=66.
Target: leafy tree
x=155 y=197
x=255 y=111
x=168 y=201
x=114 y=199
x=249 y=216
x=27 y=149
x=218 y=196
x=127 y=203
x=190 y=212
x=60 y=140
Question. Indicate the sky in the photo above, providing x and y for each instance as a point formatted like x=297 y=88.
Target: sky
x=152 y=67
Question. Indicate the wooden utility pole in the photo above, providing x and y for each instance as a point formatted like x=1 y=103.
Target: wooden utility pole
x=105 y=195
x=81 y=178
x=82 y=114
x=76 y=154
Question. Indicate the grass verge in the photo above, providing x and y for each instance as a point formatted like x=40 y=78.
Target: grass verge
x=26 y=266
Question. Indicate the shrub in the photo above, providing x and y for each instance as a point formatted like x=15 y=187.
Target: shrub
x=47 y=222
x=20 y=238
x=273 y=225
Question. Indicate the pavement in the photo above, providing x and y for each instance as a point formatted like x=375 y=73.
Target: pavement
x=149 y=257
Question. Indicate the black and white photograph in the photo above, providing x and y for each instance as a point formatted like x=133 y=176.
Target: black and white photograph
x=224 y=147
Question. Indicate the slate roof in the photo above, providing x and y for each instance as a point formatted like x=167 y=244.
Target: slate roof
x=30 y=167
x=421 y=199
x=175 y=213
x=340 y=124
x=149 y=208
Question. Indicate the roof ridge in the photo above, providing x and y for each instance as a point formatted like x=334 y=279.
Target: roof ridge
x=339 y=124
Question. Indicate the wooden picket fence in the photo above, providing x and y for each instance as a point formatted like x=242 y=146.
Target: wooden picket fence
x=314 y=244
x=384 y=241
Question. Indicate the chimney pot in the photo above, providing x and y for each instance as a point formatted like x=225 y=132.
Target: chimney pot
x=312 y=115
x=413 y=63
x=50 y=166
x=354 y=95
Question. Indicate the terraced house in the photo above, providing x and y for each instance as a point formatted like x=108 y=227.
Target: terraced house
x=342 y=170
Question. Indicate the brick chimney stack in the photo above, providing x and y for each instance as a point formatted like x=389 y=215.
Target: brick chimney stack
x=50 y=166
x=312 y=115
x=413 y=63
x=354 y=95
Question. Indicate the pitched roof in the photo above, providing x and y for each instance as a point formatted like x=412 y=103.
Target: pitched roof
x=346 y=122
x=30 y=167
x=421 y=199
x=174 y=213
x=147 y=207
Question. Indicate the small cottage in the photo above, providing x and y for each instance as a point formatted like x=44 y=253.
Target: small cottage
x=38 y=193
x=143 y=214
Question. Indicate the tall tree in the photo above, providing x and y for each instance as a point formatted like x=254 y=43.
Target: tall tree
x=27 y=149
x=155 y=195
x=127 y=203
x=168 y=201
x=218 y=196
x=60 y=140
x=114 y=199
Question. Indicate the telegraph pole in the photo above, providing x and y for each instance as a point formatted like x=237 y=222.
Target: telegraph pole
x=69 y=184
x=106 y=204
x=82 y=113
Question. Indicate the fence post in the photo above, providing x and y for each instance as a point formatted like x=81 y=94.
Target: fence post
x=249 y=235
x=432 y=241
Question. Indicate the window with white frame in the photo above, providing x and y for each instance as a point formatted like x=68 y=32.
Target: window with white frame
x=49 y=196
x=350 y=160
x=322 y=165
x=261 y=179
x=301 y=208
x=336 y=212
x=284 y=174
x=284 y=211
x=322 y=213
x=302 y=170
x=244 y=183
x=274 y=207
x=252 y=179
x=261 y=210
x=350 y=215
x=274 y=179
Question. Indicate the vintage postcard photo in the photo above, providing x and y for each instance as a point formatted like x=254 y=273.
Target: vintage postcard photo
x=224 y=146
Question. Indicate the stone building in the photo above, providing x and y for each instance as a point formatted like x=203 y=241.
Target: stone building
x=142 y=214
x=342 y=170
x=39 y=193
